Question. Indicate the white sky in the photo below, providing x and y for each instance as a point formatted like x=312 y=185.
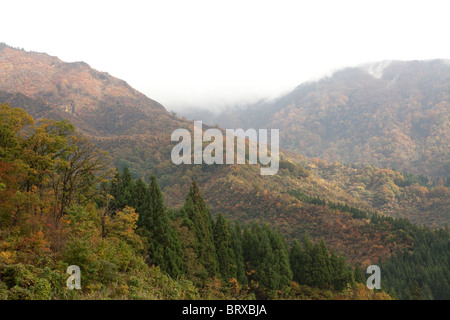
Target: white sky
x=215 y=53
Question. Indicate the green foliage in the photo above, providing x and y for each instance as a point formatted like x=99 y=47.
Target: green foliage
x=164 y=244
x=198 y=217
x=26 y=282
x=266 y=257
x=129 y=246
x=236 y=244
x=313 y=266
x=122 y=190
x=223 y=244
x=421 y=271
x=356 y=213
x=410 y=179
x=294 y=169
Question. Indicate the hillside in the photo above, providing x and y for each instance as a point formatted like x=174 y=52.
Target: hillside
x=136 y=131
x=96 y=102
x=392 y=114
x=59 y=206
x=308 y=196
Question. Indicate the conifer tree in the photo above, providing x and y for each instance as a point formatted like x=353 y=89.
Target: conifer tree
x=359 y=275
x=296 y=259
x=341 y=274
x=122 y=189
x=139 y=193
x=164 y=245
x=114 y=191
x=265 y=264
x=281 y=256
x=416 y=292
x=236 y=243
x=225 y=255
x=185 y=229
x=201 y=221
x=267 y=258
x=306 y=271
x=312 y=265
x=127 y=187
x=249 y=242
x=320 y=265
x=393 y=294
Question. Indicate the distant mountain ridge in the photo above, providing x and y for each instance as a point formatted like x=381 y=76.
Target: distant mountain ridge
x=98 y=102
x=393 y=114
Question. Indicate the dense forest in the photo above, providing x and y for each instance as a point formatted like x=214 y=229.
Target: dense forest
x=62 y=203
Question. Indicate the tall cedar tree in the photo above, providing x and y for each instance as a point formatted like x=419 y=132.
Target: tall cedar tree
x=312 y=265
x=266 y=257
x=236 y=243
x=199 y=218
x=164 y=244
x=321 y=266
x=297 y=261
x=341 y=273
x=225 y=255
x=122 y=189
x=139 y=193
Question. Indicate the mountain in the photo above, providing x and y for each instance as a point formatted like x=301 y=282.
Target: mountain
x=136 y=131
x=393 y=114
x=94 y=101
x=346 y=208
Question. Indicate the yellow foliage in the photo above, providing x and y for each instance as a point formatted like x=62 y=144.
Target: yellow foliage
x=123 y=226
x=7 y=257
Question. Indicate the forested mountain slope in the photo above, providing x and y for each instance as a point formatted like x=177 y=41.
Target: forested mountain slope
x=392 y=114
x=308 y=196
x=136 y=131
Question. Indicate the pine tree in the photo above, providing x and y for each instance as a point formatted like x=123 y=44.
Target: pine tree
x=296 y=259
x=127 y=186
x=281 y=255
x=114 y=191
x=249 y=243
x=359 y=275
x=201 y=221
x=341 y=274
x=122 y=189
x=306 y=273
x=263 y=260
x=267 y=258
x=225 y=255
x=139 y=193
x=416 y=293
x=393 y=294
x=236 y=243
x=185 y=229
x=314 y=266
x=321 y=265
x=164 y=245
